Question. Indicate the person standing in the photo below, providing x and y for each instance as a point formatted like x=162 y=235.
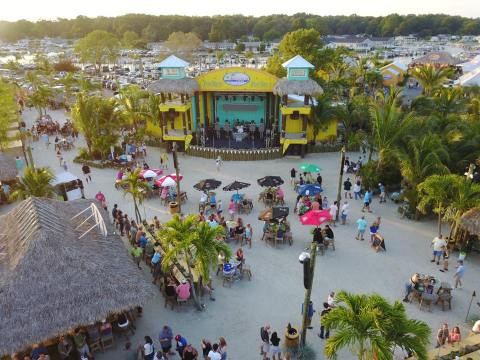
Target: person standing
x=319 y=179
x=442 y=335
x=64 y=165
x=148 y=349
x=333 y=212
x=165 y=337
x=275 y=341
x=383 y=194
x=190 y=353
x=361 y=227
x=438 y=244
x=293 y=175
x=181 y=344
x=65 y=348
x=344 y=212
x=86 y=172
x=367 y=198
x=222 y=348
x=214 y=354
x=206 y=347
x=458 y=276
x=347 y=188
x=218 y=162
x=324 y=334
x=136 y=253
x=357 y=188
x=265 y=337
x=310 y=313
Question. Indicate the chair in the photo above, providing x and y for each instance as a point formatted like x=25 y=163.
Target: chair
x=107 y=340
x=228 y=279
x=247 y=271
x=288 y=237
x=330 y=242
x=268 y=237
x=445 y=299
x=94 y=339
x=426 y=299
x=182 y=301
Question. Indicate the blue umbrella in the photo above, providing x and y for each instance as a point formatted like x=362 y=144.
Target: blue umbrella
x=309 y=189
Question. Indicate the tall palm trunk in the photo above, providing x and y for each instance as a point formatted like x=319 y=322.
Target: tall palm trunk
x=439 y=219
x=138 y=216
x=195 y=297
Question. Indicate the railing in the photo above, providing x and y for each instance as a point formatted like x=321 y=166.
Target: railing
x=235 y=154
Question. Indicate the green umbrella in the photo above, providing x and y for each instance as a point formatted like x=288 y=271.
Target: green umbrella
x=309 y=168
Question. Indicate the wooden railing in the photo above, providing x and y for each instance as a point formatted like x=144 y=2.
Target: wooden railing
x=234 y=154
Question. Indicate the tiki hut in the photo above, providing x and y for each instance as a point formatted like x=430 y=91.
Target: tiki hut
x=53 y=279
x=437 y=58
x=187 y=86
x=470 y=221
x=8 y=171
x=309 y=87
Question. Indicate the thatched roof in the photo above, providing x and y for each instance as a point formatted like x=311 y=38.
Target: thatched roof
x=8 y=171
x=179 y=86
x=297 y=87
x=52 y=281
x=470 y=221
x=437 y=58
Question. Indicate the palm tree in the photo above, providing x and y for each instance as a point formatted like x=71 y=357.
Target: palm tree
x=322 y=114
x=132 y=101
x=436 y=192
x=68 y=83
x=134 y=186
x=372 y=328
x=35 y=182
x=192 y=247
x=421 y=158
x=389 y=124
x=431 y=77
x=448 y=101
x=40 y=98
x=474 y=108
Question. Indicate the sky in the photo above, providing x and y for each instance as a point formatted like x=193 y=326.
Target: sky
x=51 y=9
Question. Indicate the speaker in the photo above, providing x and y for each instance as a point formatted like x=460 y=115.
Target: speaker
x=295 y=115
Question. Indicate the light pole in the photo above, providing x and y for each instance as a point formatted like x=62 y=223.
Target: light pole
x=340 y=178
x=470 y=305
x=308 y=261
x=177 y=175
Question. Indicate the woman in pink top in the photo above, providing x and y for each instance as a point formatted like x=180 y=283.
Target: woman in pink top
x=455 y=335
x=231 y=209
x=183 y=290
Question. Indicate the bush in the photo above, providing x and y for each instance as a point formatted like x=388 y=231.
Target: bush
x=388 y=174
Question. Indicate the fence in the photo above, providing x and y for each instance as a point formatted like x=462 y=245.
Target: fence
x=234 y=154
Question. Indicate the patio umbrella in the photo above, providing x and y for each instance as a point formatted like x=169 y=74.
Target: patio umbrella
x=309 y=189
x=269 y=181
x=273 y=213
x=150 y=173
x=309 y=168
x=235 y=186
x=315 y=217
x=207 y=185
x=168 y=180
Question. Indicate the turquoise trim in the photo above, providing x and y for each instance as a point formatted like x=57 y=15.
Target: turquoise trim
x=296 y=74
x=194 y=112
x=172 y=73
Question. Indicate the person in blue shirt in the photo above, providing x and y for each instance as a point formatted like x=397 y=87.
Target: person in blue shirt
x=367 y=198
x=383 y=194
x=142 y=241
x=181 y=344
x=309 y=314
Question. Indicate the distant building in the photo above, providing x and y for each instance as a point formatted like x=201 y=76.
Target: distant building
x=393 y=73
x=252 y=46
x=405 y=40
x=359 y=43
x=222 y=46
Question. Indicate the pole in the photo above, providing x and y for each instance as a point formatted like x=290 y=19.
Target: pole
x=308 y=292
x=470 y=305
x=177 y=174
x=340 y=178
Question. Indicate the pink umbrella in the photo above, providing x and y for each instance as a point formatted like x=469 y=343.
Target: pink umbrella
x=150 y=173
x=168 y=180
x=315 y=217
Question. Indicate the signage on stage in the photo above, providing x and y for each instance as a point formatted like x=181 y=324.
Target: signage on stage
x=236 y=79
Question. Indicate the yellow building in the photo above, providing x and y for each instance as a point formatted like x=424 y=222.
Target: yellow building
x=393 y=73
x=237 y=108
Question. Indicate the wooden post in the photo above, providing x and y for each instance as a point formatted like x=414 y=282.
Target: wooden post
x=308 y=292
x=182 y=99
x=162 y=98
x=340 y=178
x=169 y=96
x=305 y=100
x=177 y=174
x=189 y=119
x=184 y=123
x=284 y=122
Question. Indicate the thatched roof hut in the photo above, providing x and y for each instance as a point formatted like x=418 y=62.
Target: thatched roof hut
x=8 y=171
x=470 y=221
x=51 y=280
x=185 y=86
x=298 y=87
x=437 y=58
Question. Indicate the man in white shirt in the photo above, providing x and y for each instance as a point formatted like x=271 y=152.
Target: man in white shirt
x=333 y=212
x=344 y=212
x=476 y=327
x=438 y=244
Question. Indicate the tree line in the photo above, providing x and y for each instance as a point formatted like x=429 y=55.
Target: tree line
x=233 y=27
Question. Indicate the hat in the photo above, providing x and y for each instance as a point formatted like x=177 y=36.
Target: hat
x=184 y=281
x=177 y=337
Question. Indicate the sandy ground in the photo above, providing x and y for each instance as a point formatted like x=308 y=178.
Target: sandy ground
x=275 y=293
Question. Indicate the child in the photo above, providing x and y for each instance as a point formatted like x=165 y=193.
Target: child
x=219 y=208
x=248 y=235
x=445 y=259
x=231 y=209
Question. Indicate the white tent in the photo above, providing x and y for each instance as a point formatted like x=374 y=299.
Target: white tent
x=470 y=79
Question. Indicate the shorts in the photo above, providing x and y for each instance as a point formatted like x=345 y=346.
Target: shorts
x=361 y=231
x=366 y=204
x=344 y=216
x=437 y=253
x=275 y=350
x=266 y=346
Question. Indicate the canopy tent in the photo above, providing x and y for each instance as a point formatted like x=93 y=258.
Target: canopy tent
x=8 y=171
x=52 y=281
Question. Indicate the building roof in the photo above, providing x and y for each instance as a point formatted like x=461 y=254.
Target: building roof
x=52 y=281
x=297 y=87
x=177 y=86
x=297 y=62
x=173 y=62
x=8 y=170
x=437 y=58
x=470 y=221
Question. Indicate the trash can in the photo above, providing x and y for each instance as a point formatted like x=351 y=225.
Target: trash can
x=292 y=336
x=173 y=207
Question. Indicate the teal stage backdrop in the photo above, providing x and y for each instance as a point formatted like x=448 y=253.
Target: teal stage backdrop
x=242 y=107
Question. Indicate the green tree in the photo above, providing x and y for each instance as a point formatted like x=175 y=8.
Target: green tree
x=133 y=103
x=422 y=157
x=34 y=182
x=135 y=187
x=68 y=82
x=40 y=98
x=322 y=114
x=372 y=328
x=184 y=43
x=430 y=77
x=448 y=101
x=435 y=194
x=131 y=40
x=240 y=47
x=192 y=246
x=8 y=113
x=98 y=47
